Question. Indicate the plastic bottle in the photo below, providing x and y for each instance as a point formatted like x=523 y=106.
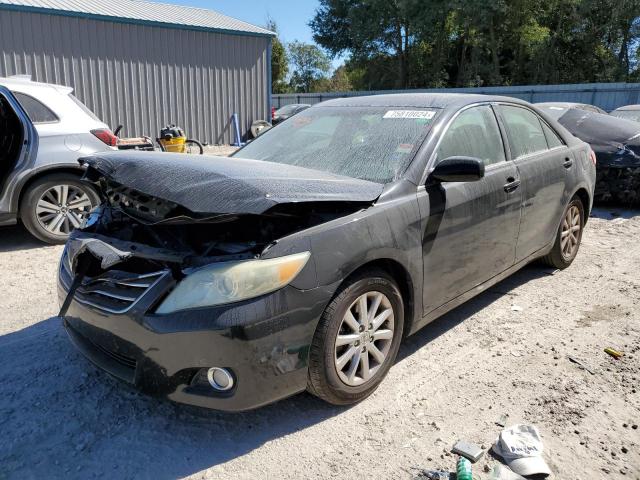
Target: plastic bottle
x=463 y=469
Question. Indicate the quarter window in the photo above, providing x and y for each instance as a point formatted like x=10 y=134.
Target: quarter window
x=474 y=133
x=37 y=111
x=553 y=140
x=524 y=131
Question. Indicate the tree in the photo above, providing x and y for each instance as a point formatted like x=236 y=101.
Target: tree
x=436 y=43
x=368 y=28
x=339 y=82
x=309 y=65
x=279 y=60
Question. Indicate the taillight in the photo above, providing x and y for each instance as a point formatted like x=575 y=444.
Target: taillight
x=106 y=136
x=592 y=156
x=273 y=113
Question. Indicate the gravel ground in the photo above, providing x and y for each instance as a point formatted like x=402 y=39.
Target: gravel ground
x=503 y=353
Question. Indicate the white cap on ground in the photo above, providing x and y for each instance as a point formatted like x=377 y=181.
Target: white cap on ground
x=521 y=448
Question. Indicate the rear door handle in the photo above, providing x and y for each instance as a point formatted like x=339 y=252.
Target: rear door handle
x=511 y=184
x=567 y=162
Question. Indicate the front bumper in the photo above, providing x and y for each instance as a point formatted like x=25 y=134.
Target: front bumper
x=263 y=341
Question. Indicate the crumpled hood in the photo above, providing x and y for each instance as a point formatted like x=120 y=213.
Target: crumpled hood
x=221 y=185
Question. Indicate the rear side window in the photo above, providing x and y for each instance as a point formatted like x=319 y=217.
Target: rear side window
x=38 y=112
x=524 y=130
x=474 y=133
x=553 y=140
x=84 y=108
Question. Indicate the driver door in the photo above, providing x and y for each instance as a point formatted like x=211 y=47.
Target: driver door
x=470 y=229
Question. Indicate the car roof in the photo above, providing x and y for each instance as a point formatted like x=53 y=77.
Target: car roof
x=563 y=104
x=627 y=107
x=418 y=100
x=23 y=83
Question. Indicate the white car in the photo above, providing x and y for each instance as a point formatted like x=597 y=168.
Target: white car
x=44 y=129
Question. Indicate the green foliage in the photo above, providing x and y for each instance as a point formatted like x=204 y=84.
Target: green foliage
x=309 y=64
x=436 y=43
x=279 y=61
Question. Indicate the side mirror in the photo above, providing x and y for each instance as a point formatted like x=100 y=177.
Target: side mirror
x=458 y=169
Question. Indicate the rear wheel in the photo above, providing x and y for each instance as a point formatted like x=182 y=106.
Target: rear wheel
x=56 y=204
x=193 y=147
x=569 y=236
x=357 y=339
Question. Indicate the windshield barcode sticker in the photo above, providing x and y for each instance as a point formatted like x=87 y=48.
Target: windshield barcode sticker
x=425 y=114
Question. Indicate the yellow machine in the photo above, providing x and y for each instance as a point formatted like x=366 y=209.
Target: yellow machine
x=172 y=139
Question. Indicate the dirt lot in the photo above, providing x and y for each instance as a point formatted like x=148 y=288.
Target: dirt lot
x=506 y=352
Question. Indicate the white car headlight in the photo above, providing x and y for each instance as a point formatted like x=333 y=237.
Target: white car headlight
x=228 y=282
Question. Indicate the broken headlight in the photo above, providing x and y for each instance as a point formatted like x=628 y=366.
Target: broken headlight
x=228 y=282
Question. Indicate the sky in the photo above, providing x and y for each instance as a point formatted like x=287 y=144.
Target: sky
x=291 y=16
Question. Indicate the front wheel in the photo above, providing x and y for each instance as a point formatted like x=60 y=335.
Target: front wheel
x=357 y=339
x=569 y=236
x=56 y=204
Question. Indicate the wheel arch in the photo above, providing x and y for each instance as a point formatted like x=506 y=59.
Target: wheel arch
x=402 y=277
x=585 y=199
x=37 y=175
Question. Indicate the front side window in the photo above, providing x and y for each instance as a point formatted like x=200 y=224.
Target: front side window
x=474 y=133
x=369 y=143
x=524 y=131
x=38 y=112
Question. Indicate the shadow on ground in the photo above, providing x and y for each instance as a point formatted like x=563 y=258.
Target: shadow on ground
x=62 y=417
x=16 y=237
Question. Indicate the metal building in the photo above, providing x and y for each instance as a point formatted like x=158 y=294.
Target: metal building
x=143 y=64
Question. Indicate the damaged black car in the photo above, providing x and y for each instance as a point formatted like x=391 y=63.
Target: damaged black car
x=301 y=262
x=616 y=143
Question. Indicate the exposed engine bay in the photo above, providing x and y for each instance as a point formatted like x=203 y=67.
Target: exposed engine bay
x=138 y=219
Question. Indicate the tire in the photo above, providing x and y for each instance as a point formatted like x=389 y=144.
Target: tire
x=43 y=220
x=559 y=256
x=193 y=147
x=329 y=380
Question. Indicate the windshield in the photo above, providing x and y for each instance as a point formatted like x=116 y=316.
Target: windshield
x=628 y=114
x=369 y=143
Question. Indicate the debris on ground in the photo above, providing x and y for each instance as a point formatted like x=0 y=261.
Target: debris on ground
x=463 y=469
x=502 y=421
x=468 y=450
x=581 y=364
x=520 y=447
x=500 y=472
x=614 y=353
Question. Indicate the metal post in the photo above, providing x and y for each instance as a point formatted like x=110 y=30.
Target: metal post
x=236 y=127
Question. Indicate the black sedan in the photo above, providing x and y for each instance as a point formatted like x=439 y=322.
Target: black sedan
x=628 y=112
x=287 y=111
x=303 y=261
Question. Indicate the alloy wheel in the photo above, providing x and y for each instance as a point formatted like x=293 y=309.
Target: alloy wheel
x=364 y=338
x=570 y=232
x=62 y=208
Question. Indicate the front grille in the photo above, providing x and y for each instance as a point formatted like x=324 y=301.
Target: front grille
x=113 y=291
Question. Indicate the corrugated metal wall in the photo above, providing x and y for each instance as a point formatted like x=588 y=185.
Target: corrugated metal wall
x=143 y=76
x=607 y=96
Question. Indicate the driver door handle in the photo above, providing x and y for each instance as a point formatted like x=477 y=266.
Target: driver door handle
x=511 y=185
x=567 y=162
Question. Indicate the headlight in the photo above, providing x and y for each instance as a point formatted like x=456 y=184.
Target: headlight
x=229 y=282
